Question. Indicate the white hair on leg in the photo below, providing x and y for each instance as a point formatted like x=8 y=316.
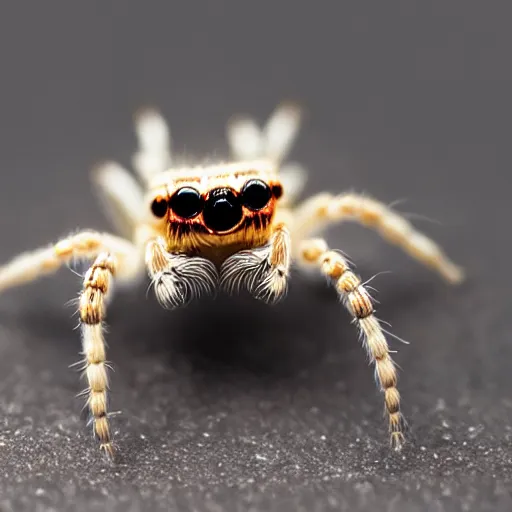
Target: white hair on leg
x=154 y=138
x=244 y=138
x=323 y=209
x=84 y=245
x=248 y=141
x=92 y=310
x=281 y=130
x=293 y=177
x=120 y=196
x=359 y=304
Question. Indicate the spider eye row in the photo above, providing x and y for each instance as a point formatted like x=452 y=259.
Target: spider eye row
x=187 y=202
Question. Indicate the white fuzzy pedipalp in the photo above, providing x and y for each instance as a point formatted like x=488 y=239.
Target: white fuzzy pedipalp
x=184 y=279
x=251 y=270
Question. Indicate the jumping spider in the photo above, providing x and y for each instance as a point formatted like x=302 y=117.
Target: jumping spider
x=230 y=225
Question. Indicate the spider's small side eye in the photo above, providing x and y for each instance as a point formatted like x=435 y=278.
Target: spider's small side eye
x=277 y=190
x=186 y=203
x=159 y=207
x=256 y=194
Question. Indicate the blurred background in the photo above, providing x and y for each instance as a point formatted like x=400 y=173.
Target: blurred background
x=231 y=405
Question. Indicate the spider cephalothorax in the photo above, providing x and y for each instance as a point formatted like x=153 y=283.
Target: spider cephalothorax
x=233 y=226
x=215 y=211
x=214 y=225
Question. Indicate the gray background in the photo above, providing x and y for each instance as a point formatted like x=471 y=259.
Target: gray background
x=231 y=405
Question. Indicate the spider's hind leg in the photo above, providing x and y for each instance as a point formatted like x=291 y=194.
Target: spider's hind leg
x=154 y=153
x=359 y=304
x=248 y=141
x=324 y=209
x=120 y=195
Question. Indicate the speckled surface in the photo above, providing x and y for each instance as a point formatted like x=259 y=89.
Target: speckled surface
x=229 y=404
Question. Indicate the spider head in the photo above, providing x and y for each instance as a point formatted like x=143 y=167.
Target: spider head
x=229 y=205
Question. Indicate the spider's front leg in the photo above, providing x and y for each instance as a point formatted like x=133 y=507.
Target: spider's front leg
x=262 y=271
x=178 y=278
x=96 y=286
x=111 y=255
x=359 y=304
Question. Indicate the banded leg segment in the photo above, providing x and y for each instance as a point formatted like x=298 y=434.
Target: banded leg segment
x=84 y=245
x=92 y=314
x=359 y=304
x=324 y=209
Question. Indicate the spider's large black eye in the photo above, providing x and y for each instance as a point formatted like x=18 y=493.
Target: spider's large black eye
x=256 y=194
x=223 y=210
x=186 y=203
x=159 y=207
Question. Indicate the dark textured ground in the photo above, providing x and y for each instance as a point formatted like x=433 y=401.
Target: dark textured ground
x=231 y=405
